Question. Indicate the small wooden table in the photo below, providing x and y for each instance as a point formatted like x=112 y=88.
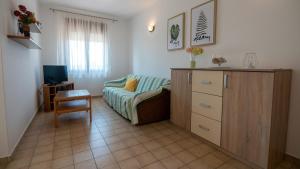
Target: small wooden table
x=72 y=101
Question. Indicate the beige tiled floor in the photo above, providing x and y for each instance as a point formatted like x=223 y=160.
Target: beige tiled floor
x=111 y=142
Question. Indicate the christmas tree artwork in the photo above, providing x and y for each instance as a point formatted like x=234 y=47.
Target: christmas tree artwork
x=201 y=24
x=201 y=28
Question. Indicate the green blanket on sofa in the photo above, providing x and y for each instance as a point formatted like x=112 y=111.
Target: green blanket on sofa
x=125 y=102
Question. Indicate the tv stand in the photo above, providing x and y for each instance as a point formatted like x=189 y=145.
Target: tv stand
x=50 y=92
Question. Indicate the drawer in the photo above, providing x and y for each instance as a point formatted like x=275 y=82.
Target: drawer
x=206 y=128
x=210 y=82
x=207 y=105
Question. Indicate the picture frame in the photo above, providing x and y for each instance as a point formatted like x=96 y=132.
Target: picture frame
x=176 y=32
x=203 y=24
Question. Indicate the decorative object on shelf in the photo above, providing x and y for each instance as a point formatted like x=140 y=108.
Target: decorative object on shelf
x=176 y=32
x=218 y=60
x=25 y=18
x=197 y=51
x=203 y=24
x=20 y=27
x=250 y=60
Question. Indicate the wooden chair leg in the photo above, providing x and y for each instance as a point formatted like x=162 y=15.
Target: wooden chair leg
x=55 y=115
x=90 y=105
x=56 y=120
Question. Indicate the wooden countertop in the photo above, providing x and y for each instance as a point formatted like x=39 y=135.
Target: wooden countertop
x=233 y=69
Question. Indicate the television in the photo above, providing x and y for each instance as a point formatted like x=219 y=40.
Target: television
x=55 y=74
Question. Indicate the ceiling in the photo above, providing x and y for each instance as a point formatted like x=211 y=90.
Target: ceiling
x=122 y=8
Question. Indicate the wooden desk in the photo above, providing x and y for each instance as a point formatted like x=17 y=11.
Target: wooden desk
x=72 y=101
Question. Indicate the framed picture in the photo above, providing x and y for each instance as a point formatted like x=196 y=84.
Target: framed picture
x=203 y=24
x=176 y=32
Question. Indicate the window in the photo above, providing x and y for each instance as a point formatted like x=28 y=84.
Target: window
x=85 y=47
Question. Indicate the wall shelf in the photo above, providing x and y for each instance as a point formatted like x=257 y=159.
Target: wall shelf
x=25 y=41
x=35 y=28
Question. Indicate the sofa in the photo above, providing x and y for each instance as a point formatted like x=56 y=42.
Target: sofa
x=149 y=103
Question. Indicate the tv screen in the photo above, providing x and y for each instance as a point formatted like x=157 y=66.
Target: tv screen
x=54 y=74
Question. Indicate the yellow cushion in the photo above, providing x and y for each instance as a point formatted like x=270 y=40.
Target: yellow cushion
x=131 y=84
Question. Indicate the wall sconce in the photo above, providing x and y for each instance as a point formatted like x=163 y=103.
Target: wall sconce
x=151 y=28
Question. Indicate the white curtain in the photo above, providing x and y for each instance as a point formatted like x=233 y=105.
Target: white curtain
x=83 y=46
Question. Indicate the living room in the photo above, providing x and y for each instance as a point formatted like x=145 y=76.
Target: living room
x=156 y=97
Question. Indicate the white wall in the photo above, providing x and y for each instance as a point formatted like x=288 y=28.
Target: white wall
x=3 y=130
x=21 y=76
x=269 y=27
x=119 y=49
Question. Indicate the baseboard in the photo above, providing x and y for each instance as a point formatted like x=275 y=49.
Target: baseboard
x=4 y=162
x=293 y=160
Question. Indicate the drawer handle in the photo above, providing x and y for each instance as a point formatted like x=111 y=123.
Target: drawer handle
x=203 y=128
x=189 y=78
x=206 y=82
x=205 y=105
x=226 y=81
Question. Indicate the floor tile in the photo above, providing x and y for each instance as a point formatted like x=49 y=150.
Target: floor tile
x=138 y=149
x=62 y=144
x=157 y=165
x=117 y=146
x=221 y=156
x=97 y=143
x=172 y=162
x=131 y=142
x=238 y=165
x=100 y=151
x=112 y=139
x=80 y=140
x=201 y=150
x=161 y=153
x=43 y=149
x=206 y=162
x=123 y=154
x=42 y=165
x=15 y=164
x=62 y=153
x=80 y=148
x=23 y=154
x=174 y=148
x=82 y=156
x=185 y=157
x=89 y=164
x=42 y=158
x=111 y=142
x=151 y=145
x=165 y=141
x=227 y=166
x=185 y=143
x=104 y=161
x=131 y=163
x=113 y=166
x=146 y=159
x=69 y=167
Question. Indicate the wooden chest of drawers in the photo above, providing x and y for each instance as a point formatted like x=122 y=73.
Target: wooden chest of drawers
x=206 y=128
x=210 y=82
x=207 y=92
x=242 y=111
x=207 y=105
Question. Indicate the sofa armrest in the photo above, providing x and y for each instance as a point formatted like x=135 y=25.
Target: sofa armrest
x=140 y=97
x=154 y=109
x=116 y=83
